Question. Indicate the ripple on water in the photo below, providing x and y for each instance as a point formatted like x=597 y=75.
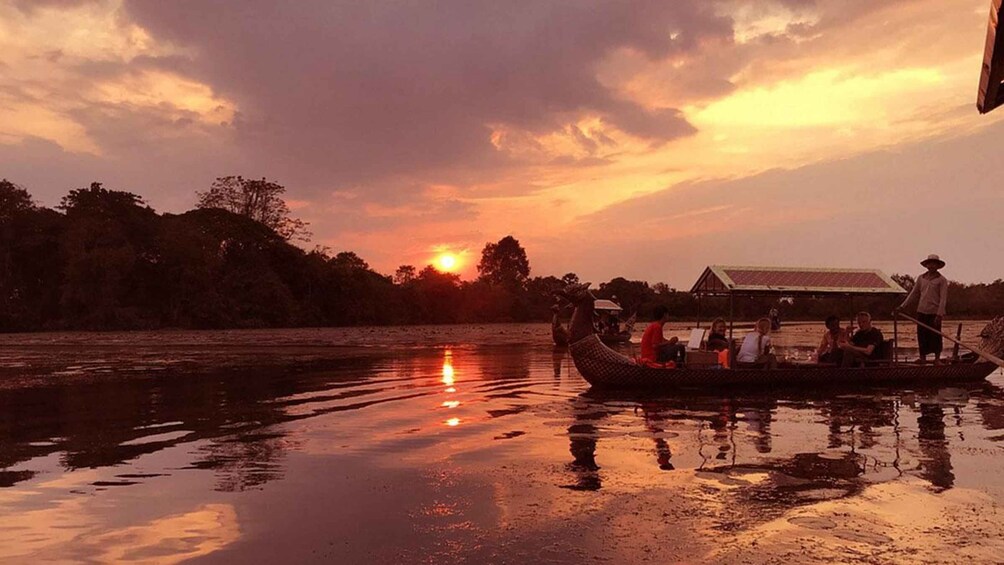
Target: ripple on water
x=484 y=452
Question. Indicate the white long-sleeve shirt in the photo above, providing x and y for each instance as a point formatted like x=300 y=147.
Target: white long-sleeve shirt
x=754 y=345
x=930 y=294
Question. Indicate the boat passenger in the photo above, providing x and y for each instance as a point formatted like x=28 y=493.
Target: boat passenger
x=655 y=348
x=829 y=348
x=863 y=345
x=756 y=347
x=716 y=337
x=612 y=325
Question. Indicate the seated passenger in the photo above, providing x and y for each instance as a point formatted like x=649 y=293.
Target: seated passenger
x=863 y=344
x=613 y=326
x=599 y=324
x=716 y=337
x=829 y=348
x=755 y=350
x=655 y=348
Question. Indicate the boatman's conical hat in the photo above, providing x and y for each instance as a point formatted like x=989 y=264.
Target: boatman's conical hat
x=932 y=258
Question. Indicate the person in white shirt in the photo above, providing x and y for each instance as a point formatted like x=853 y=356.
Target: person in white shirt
x=755 y=350
x=929 y=295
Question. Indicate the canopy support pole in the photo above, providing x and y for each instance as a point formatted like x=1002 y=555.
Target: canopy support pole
x=699 y=297
x=895 y=337
x=731 y=316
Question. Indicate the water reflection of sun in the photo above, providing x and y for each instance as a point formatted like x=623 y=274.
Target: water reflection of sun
x=449 y=380
x=448 y=368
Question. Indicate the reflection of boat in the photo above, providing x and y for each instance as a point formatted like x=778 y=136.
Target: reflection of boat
x=866 y=435
x=603 y=367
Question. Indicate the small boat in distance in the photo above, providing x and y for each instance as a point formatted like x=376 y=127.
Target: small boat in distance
x=606 y=325
x=603 y=367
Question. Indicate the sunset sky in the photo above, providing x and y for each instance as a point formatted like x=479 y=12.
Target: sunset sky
x=643 y=139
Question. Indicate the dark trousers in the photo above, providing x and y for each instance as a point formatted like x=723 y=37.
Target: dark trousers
x=670 y=352
x=836 y=357
x=850 y=358
x=928 y=341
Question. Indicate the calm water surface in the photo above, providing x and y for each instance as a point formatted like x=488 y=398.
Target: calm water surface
x=470 y=444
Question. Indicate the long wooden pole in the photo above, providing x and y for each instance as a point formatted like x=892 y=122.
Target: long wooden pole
x=983 y=354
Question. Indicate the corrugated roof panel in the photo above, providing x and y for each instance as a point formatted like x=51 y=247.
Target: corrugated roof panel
x=719 y=279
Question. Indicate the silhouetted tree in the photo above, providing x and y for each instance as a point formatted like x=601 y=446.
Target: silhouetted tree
x=350 y=260
x=570 y=278
x=109 y=258
x=905 y=281
x=404 y=274
x=13 y=200
x=504 y=263
x=260 y=200
x=30 y=267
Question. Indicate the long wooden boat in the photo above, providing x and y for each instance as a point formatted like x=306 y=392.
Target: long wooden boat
x=603 y=367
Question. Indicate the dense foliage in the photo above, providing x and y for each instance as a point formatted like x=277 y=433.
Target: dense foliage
x=106 y=260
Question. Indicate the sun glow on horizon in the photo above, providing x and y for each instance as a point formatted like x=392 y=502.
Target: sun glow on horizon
x=446 y=262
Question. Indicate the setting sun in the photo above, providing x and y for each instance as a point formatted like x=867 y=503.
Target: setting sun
x=446 y=262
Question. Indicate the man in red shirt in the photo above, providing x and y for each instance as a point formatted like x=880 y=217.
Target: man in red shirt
x=655 y=348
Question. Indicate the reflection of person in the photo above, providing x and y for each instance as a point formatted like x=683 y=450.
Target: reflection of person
x=655 y=348
x=775 y=318
x=937 y=464
x=829 y=348
x=755 y=350
x=716 y=337
x=582 y=437
x=929 y=295
x=654 y=419
x=863 y=345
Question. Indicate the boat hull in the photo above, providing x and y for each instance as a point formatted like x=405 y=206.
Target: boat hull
x=605 y=368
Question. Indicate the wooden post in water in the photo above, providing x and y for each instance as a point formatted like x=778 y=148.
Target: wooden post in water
x=955 y=350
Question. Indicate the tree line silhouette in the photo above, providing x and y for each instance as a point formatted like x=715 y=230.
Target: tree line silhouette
x=103 y=259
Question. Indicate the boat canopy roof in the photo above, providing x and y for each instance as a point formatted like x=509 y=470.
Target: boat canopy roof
x=991 y=95
x=724 y=280
x=607 y=305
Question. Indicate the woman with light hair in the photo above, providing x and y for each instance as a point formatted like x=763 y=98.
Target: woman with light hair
x=756 y=347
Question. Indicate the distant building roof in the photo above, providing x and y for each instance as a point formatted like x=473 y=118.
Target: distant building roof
x=720 y=279
x=991 y=95
x=602 y=304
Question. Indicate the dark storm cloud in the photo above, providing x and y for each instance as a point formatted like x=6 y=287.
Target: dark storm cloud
x=349 y=90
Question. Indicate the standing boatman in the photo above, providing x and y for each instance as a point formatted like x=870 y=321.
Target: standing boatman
x=929 y=295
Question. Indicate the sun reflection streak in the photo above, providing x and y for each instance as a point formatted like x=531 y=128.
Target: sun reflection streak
x=449 y=380
x=448 y=368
